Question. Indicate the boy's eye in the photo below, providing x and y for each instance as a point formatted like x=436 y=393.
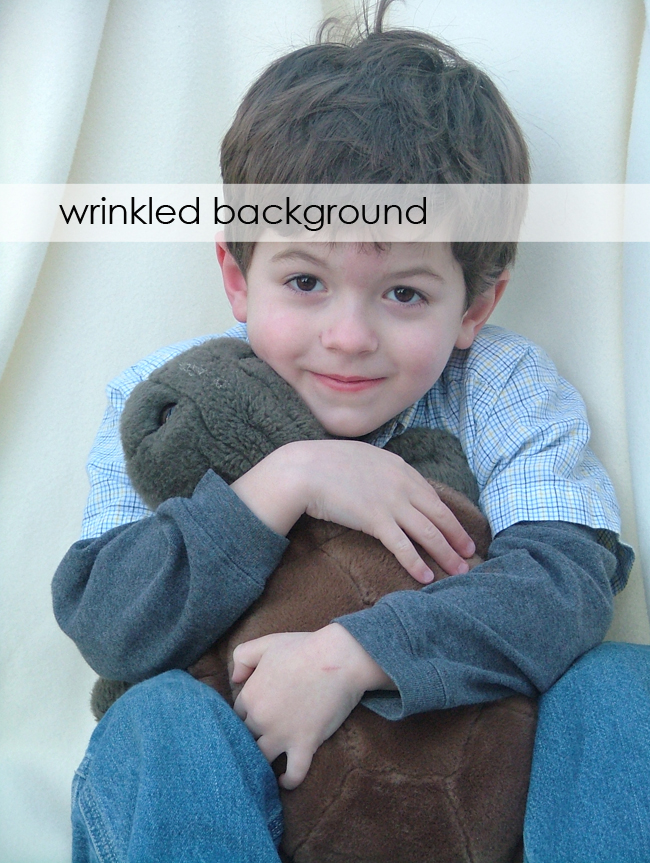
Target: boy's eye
x=306 y=284
x=405 y=296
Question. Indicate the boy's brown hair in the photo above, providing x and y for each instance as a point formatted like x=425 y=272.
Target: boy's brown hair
x=378 y=106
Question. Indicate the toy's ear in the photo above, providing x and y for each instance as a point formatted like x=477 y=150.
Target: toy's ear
x=233 y=281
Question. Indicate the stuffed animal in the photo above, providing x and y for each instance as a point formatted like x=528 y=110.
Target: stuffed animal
x=439 y=787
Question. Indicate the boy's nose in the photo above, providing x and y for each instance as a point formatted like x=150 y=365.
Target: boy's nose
x=351 y=333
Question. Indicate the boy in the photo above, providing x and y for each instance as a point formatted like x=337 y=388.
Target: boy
x=375 y=339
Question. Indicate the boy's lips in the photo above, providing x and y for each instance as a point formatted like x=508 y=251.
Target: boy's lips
x=347 y=383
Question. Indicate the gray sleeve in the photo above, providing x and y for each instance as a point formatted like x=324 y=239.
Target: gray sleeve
x=513 y=624
x=155 y=594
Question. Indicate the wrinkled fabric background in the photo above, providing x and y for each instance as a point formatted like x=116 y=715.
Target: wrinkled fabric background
x=141 y=91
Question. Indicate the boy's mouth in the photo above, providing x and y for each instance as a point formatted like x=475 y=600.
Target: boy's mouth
x=347 y=384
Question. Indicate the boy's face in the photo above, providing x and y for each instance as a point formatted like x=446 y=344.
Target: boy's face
x=359 y=332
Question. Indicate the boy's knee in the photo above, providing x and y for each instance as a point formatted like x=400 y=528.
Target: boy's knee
x=606 y=672
x=174 y=713
x=167 y=699
x=163 y=687
x=588 y=799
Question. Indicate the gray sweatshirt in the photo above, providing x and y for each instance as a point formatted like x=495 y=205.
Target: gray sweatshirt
x=155 y=594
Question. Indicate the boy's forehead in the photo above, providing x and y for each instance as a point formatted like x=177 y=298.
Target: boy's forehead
x=428 y=257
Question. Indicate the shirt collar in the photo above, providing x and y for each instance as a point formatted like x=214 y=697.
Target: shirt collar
x=393 y=428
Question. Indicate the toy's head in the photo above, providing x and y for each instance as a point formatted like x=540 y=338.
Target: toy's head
x=216 y=406
x=378 y=106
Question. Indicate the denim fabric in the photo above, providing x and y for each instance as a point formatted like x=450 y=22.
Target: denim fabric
x=172 y=774
x=589 y=798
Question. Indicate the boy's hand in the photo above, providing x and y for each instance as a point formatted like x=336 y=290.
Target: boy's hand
x=300 y=687
x=362 y=487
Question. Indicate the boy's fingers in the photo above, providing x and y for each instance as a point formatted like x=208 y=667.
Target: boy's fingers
x=446 y=522
x=240 y=708
x=396 y=541
x=270 y=750
x=241 y=671
x=246 y=657
x=427 y=534
x=298 y=763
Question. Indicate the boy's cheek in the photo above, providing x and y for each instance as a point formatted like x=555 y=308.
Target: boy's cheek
x=271 y=338
x=425 y=367
x=275 y=349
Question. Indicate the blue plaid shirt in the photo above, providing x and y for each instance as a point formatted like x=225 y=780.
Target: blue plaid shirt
x=523 y=428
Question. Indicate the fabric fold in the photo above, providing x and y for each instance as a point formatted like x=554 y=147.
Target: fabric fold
x=636 y=317
x=48 y=53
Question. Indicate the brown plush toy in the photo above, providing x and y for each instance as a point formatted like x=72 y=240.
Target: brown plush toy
x=441 y=787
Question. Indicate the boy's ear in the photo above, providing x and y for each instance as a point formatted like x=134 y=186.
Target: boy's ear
x=233 y=281
x=480 y=310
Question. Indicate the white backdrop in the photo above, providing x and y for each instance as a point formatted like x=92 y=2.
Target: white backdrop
x=142 y=91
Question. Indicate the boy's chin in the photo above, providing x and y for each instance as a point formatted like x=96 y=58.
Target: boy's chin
x=349 y=427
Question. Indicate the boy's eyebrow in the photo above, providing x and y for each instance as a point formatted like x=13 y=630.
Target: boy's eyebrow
x=297 y=255
x=417 y=271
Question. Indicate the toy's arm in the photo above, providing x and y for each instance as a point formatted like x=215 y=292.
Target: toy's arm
x=155 y=594
x=513 y=624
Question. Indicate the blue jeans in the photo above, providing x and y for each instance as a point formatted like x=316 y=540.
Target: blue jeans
x=172 y=774
x=589 y=797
